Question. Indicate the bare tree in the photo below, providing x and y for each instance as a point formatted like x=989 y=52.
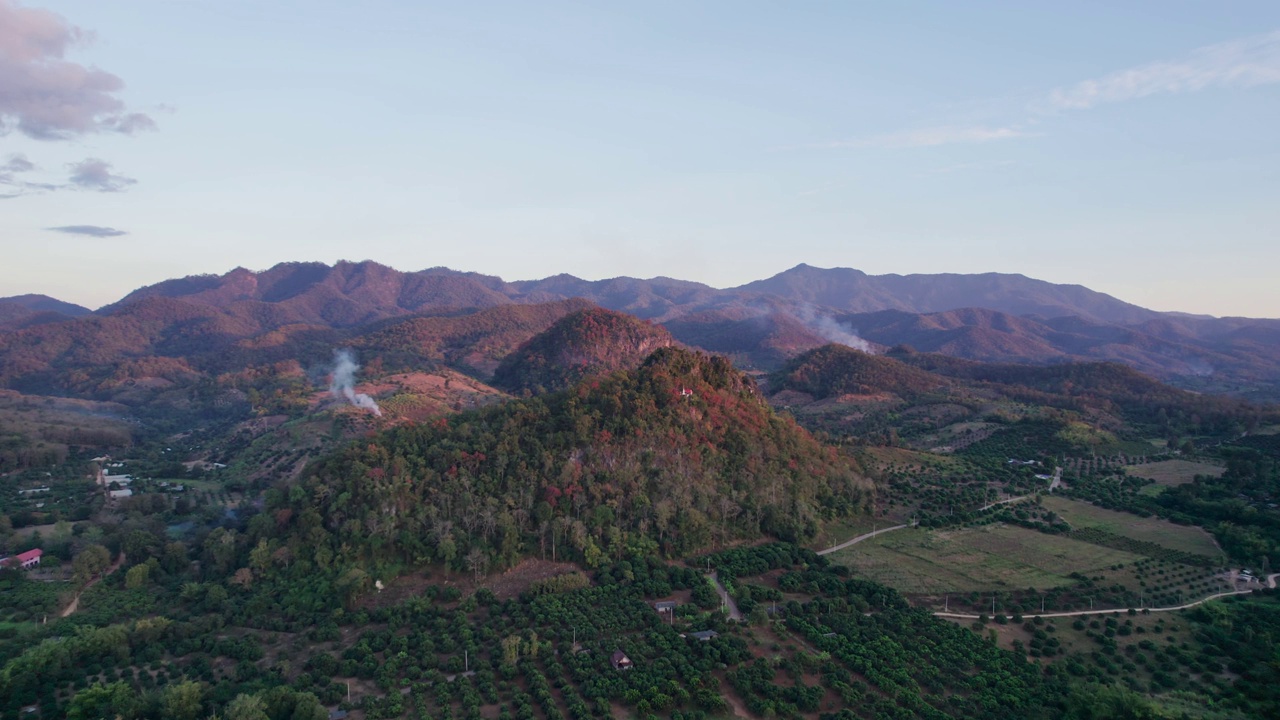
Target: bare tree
x=477 y=562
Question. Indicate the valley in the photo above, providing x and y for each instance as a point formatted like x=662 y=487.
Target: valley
x=515 y=503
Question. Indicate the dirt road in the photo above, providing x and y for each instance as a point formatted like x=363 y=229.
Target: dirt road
x=988 y=506
x=1271 y=583
x=75 y=601
x=734 y=613
x=859 y=539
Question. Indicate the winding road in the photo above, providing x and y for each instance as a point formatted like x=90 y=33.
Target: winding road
x=1271 y=583
x=75 y=601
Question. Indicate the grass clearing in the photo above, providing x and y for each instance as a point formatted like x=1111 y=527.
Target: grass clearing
x=916 y=460
x=1174 y=472
x=992 y=557
x=26 y=532
x=1186 y=538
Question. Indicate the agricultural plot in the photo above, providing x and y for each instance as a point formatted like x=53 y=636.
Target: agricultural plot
x=993 y=557
x=1180 y=538
x=1143 y=652
x=1173 y=472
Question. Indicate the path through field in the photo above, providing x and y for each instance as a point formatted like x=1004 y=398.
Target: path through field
x=860 y=538
x=988 y=506
x=75 y=601
x=1271 y=583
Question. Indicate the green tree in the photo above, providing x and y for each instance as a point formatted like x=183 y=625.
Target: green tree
x=91 y=561
x=103 y=701
x=246 y=707
x=183 y=701
x=137 y=576
x=175 y=558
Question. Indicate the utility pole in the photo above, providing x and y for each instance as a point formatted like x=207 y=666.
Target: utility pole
x=466 y=661
x=946 y=603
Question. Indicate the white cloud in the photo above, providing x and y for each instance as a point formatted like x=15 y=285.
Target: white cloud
x=47 y=97
x=1246 y=62
x=95 y=174
x=1242 y=63
x=929 y=137
x=97 y=231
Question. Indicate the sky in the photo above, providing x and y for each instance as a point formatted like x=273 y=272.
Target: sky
x=1128 y=147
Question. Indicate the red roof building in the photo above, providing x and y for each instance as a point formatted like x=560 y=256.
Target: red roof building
x=28 y=559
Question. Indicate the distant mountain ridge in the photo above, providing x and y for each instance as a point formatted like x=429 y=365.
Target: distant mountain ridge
x=21 y=311
x=855 y=291
x=992 y=317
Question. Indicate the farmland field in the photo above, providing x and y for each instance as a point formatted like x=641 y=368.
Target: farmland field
x=1173 y=472
x=916 y=560
x=1186 y=538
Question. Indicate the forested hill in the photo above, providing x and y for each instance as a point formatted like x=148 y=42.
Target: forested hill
x=592 y=341
x=677 y=455
x=840 y=370
x=1138 y=397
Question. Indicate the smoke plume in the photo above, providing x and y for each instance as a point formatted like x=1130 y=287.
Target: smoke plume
x=343 y=384
x=831 y=330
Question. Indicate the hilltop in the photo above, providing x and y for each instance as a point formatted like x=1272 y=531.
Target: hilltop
x=584 y=343
x=836 y=370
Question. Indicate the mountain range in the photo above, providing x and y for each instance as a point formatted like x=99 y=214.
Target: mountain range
x=214 y=322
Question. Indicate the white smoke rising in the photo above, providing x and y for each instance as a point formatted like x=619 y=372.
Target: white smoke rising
x=343 y=384
x=832 y=330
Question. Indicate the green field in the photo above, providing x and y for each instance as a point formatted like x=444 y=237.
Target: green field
x=1160 y=532
x=992 y=557
x=1173 y=472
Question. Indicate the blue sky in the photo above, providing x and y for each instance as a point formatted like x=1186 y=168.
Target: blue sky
x=1130 y=149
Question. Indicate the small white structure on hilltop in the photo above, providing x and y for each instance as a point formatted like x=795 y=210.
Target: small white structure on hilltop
x=121 y=493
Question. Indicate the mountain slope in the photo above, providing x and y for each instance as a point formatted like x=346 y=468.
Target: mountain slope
x=623 y=461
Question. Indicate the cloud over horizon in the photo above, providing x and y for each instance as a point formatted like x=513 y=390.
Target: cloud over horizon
x=47 y=97
x=95 y=174
x=1241 y=63
x=89 y=230
x=1245 y=62
x=942 y=135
